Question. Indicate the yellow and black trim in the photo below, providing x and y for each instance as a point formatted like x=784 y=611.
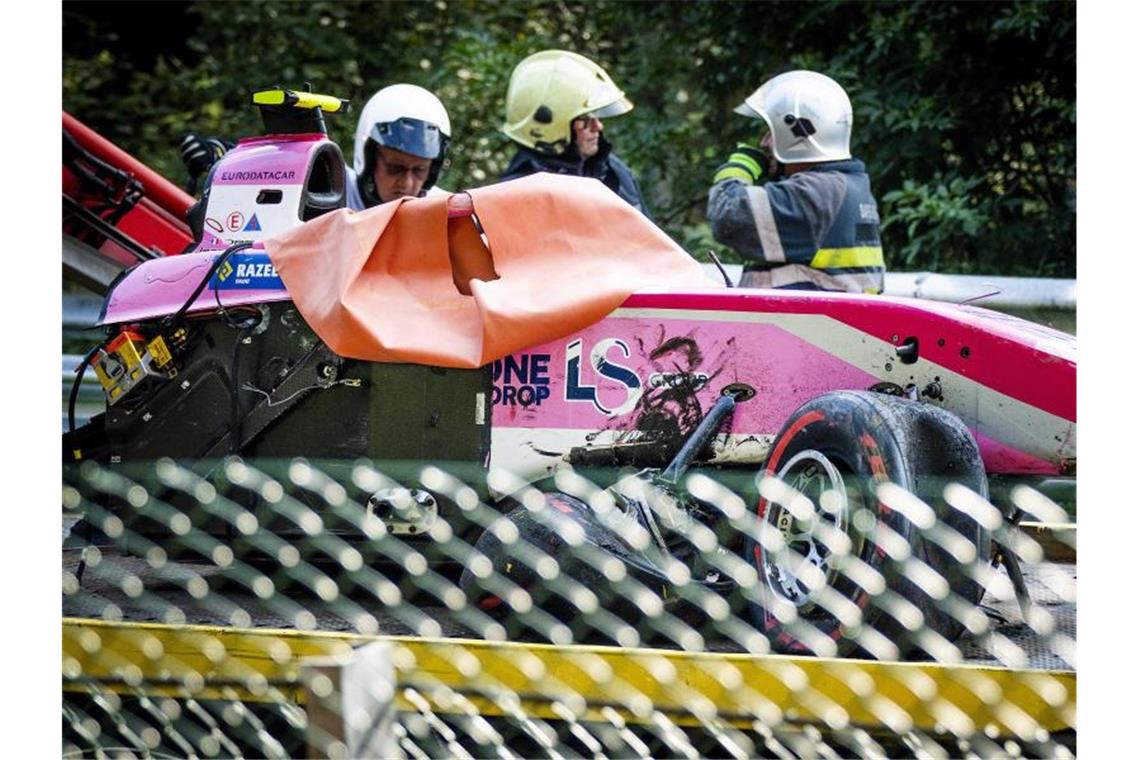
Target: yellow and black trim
x=263 y=665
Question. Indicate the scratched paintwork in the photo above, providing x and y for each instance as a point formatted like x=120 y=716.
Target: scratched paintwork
x=681 y=360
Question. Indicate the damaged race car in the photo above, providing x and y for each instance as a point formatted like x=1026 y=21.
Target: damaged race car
x=542 y=337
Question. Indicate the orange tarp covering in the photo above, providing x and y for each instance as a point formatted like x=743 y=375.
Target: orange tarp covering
x=380 y=285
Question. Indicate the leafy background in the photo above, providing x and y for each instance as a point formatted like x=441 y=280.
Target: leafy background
x=964 y=112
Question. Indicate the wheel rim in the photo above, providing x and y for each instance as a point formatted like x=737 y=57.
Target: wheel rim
x=813 y=475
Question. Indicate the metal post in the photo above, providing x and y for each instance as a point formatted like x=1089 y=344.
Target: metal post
x=350 y=702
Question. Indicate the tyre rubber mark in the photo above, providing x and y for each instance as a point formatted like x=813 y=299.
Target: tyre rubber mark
x=778 y=451
x=875 y=458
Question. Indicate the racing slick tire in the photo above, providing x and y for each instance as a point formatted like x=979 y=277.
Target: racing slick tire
x=894 y=583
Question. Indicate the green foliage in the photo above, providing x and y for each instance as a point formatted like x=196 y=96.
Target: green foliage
x=964 y=112
x=940 y=218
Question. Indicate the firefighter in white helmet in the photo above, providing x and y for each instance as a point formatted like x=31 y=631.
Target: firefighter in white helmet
x=804 y=216
x=399 y=149
x=400 y=146
x=556 y=101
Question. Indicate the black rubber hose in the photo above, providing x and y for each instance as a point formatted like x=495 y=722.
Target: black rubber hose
x=80 y=372
x=701 y=436
x=205 y=280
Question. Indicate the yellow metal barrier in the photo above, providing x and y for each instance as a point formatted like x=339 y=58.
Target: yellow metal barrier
x=263 y=665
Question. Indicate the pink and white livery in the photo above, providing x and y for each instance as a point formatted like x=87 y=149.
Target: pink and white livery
x=661 y=359
x=650 y=369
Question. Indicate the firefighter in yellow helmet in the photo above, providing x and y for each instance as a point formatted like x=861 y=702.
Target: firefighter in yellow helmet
x=556 y=101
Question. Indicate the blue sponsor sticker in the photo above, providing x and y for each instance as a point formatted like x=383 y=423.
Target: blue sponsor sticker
x=247 y=271
x=253 y=225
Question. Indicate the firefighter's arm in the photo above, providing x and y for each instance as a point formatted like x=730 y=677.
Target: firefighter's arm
x=765 y=223
x=731 y=219
x=734 y=202
x=746 y=164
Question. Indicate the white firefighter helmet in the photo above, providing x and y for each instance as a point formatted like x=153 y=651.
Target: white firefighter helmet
x=548 y=90
x=406 y=118
x=808 y=113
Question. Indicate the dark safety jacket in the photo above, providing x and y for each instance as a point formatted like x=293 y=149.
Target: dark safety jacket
x=815 y=230
x=603 y=166
x=353 y=198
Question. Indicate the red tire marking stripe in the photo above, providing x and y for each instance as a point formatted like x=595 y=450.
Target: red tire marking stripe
x=874 y=457
x=777 y=452
x=795 y=428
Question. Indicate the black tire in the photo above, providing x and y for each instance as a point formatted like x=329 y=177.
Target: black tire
x=851 y=442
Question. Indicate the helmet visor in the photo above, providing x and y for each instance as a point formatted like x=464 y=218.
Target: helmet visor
x=746 y=110
x=617 y=108
x=413 y=136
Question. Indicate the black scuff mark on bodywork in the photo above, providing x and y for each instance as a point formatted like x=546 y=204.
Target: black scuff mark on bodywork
x=683 y=345
x=543 y=452
x=665 y=415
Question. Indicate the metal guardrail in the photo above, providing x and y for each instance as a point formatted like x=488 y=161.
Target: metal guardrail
x=80 y=312
x=1000 y=293
x=729 y=693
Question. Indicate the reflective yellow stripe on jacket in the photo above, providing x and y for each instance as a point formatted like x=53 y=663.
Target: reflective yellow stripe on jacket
x=848 y=258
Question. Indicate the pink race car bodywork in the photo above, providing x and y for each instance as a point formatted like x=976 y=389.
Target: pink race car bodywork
x=663 y=357
x=258 y=188
x=655 y=365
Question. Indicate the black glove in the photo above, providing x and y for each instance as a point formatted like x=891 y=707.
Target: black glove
x=746 y=164
x=200 y=153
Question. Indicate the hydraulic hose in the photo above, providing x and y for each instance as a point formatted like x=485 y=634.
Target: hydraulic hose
x=205 y=280
x=699 y=438
x=79 y=373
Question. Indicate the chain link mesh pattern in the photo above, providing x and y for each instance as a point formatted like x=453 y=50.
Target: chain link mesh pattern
x=572 y=620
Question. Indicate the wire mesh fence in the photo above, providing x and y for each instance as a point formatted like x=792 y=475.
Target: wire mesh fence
x=585 y=616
